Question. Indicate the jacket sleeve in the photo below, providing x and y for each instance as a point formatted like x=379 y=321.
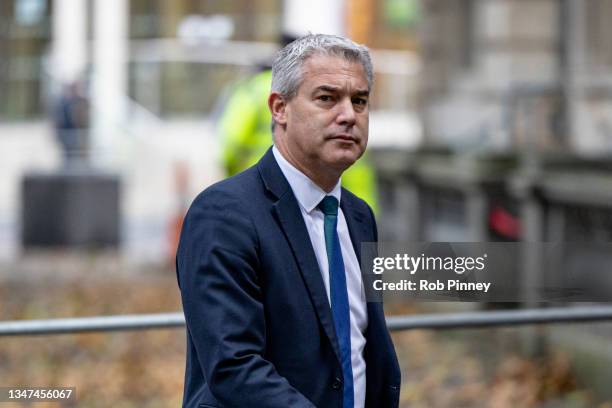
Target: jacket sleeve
x=217 y=266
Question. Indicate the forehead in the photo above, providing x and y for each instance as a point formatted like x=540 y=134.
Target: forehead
x=333 y=70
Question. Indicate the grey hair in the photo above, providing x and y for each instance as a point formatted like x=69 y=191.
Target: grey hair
x=287 y=66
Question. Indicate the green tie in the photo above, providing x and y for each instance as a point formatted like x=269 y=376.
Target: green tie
x=338 y=293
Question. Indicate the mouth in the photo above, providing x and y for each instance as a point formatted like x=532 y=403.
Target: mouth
x=345 y=137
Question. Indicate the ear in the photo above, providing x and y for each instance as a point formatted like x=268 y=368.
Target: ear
x=278 y=108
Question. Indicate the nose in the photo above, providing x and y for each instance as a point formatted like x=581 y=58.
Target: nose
x=346 y=113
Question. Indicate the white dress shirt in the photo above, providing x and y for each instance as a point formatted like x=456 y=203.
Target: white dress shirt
x=309 y=195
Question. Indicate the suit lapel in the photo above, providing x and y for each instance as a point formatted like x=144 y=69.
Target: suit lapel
x=292 y=223
x=355 y=221
x=358 y=231
x=287 y=212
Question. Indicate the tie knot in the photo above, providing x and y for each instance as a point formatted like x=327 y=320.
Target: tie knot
x=329 y=205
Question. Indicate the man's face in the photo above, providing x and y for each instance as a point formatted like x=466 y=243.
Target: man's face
x=327 y=120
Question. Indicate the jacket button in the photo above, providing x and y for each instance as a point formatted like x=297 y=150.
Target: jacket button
x=337 y=384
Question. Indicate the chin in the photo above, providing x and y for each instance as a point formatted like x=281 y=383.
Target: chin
x=343 y=160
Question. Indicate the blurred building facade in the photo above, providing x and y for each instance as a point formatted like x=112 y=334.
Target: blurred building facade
x=516 y=105
x=30 y=32
x=154 y=75
x=24 y=38
x=504 y=74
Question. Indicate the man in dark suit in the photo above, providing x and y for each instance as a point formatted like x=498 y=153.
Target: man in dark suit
x=268 y=259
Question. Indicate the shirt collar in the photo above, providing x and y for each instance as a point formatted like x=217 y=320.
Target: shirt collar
x=308 y=194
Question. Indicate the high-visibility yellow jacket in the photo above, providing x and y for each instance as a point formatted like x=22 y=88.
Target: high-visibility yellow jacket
x=246 y=136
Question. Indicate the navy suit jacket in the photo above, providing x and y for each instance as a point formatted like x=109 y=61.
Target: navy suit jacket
x=259 y=325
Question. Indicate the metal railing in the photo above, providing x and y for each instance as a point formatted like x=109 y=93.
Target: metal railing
x=394 y=323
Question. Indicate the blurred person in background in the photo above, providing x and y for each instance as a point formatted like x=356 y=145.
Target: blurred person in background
x=71 y=121
x=268 y=266
x=245 y=133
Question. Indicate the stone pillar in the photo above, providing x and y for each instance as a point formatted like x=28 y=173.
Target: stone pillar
x=573 y=62
x=109 y=81
x=69 y=40
x=316 y=16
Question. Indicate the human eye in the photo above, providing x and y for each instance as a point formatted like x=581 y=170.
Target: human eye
x=325 y=98
x=361 y=102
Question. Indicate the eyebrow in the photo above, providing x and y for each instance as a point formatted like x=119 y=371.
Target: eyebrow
x=330 y=88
